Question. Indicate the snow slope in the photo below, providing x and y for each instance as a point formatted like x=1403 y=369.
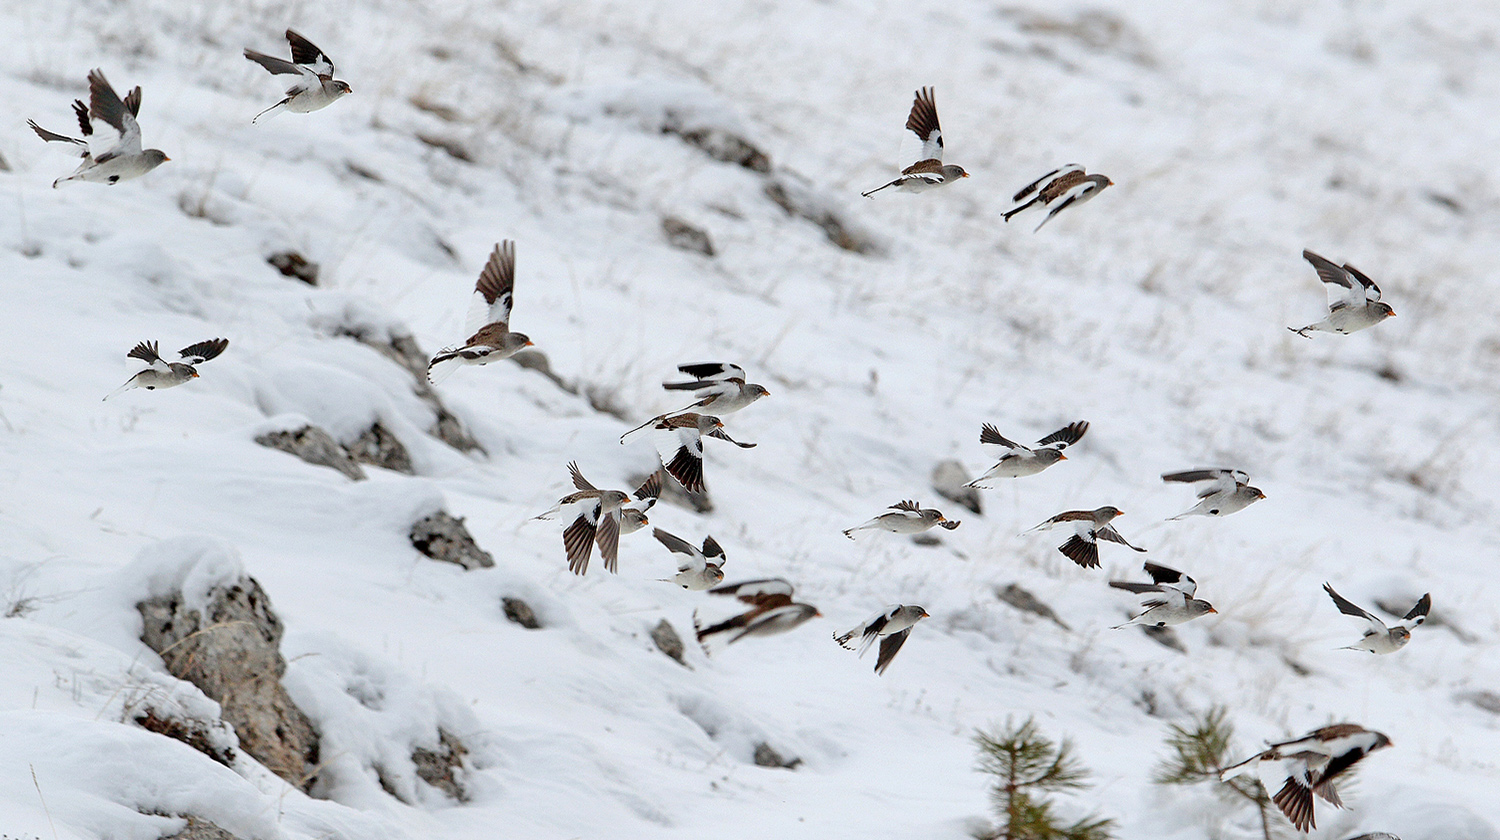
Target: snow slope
x=1237 y=131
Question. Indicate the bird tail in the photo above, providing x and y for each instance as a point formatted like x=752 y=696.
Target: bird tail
x=637 y=429
x=442 y=366
x=272 y=111
x=130 y=383
x=871 y=193
x=1302 y=332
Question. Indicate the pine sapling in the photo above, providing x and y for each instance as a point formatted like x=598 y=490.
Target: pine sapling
x=1200 y=752
x=1026 y=765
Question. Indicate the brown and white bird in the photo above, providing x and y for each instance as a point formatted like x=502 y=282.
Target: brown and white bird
x=906 y=517
x=929 y=171
x=1017 y=461
x=720 y=388
x=108 y=158
x=703 y=568
x=593 y=515
x=1220 y=491
x=1313 y=763
x=891 y=626
x=1169 y=598
x=315 y=87
x=1068 y=186
x=772 y=611
x=1353 y=299
x=1089 y=526
x=1379 y=638
x=633 y=513
x=164 y=374
x=489 y=319
x=679 y=442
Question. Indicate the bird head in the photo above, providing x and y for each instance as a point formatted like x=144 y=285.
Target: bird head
x=1384 y=309
x=342 y=87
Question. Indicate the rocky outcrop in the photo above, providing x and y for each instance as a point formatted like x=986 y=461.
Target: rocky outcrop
x=442 y=768
x=1023 y=600
x=444 y=537
x=379 y=447
x=520 y=612
x=314 y=446
x=686 y=237
x=664 y=635
x=767 y=756
x=230 y=649
x=293 y=264
x=949 y=479
x=201 y=829
x=404 y=351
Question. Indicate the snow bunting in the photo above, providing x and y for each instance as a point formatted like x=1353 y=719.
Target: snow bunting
x=1379 y=638
x=1353 y=299
x=772 y=611
x=928 y=171
x=164 y=374
x=1018 y=461
x=702 y=569
x=1089 y=526
x=633 y=514
x=1067 y=186
x=316 y=88
x=119 y=157
x=721 y=388
x=891 y=626
x=681 y=435
x=489 y=319
x=593 y=515
x=905 y=517
x=1313 y=763
x=1221 y=492
x=1170 y=598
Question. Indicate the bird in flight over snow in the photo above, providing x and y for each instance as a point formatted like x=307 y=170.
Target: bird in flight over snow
x=1168 y=598
x=703 y=568
x=1312 y=764
x=315 y=87
x=720 y=388
x=1220 y=491
x=679 y=442
x=1068 y=186
x=772 y=611
x=1019 y=461
x=1089 y=526
x=929 y=171
x=164 y=374
x=1379 y=638
x=593 y=515
x=489 y=319
x=906 y=517
x=1354 y=300
x=891 y=626
x=108 y=157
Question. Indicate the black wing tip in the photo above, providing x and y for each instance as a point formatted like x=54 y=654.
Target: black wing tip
x=1081 y=551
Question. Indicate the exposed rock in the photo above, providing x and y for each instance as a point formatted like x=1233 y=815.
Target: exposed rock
x=686 y=237
x=293 y=264
x=443 y=537
x=520 y=612
x=767 y=756
x=199 y=735
x=314 y=446
x=797 y=200
x=231 y=651
x=378 y=447
x=1489 y=701
x=201 y=829
x=1021 y=599
x=718 y=143
x=600 y=398
x=667 y=641
x=949 y=478
x=440 y=768
x=454 y=148
x=404 y=351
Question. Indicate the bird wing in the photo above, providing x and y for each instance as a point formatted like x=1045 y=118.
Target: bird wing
x=1109 y=533
x=990 y=436
x=1066 y=436
x=723 y=435
x=674 y=543
x=1168 y=577
x=277 y=66
x=889 y=646
x=105 y=105
x=1371 y=291
x=712 y=370
x=1076 y=194
x=1217 y=480
x=1348 y=607
x=607 y=534
x=197 y=354
x=649 y=491
x=579 y=482
x=1419 y=612
x=578 y=541
x=750 y=591
x=1343 y=289
x=305 y=53
x=923 y=122
x=908 y=507
x=493 y=292
x=713 y=554
x=1032 y=187
x=146 y=351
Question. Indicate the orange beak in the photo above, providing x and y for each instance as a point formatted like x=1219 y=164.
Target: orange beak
x=1393 y=313
x=164 y=158
x=1212 y=610
x=966 y=175
x=195 y=374
x=1061 y=457
x=529 y=343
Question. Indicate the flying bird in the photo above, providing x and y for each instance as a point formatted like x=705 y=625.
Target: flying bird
x=891 y=626
x=1169 y=598
x=1089 y=526
x=107 y=158
x=1068 y=186
x=164 y=374
x=929 y=171
x=633 y=514
x=1313 y=763
x=1019 y=461
x=679 y=443
x=772 y=611
x=720 y=388
x=905 y=517
x=1353 y=299
x=1220 y=491
x=489 y=319
x=593 y=515
x=1379 y=638
x=315 y=87
x=703 y=568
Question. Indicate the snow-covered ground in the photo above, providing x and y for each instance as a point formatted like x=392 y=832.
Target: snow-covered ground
x=1238 y=132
